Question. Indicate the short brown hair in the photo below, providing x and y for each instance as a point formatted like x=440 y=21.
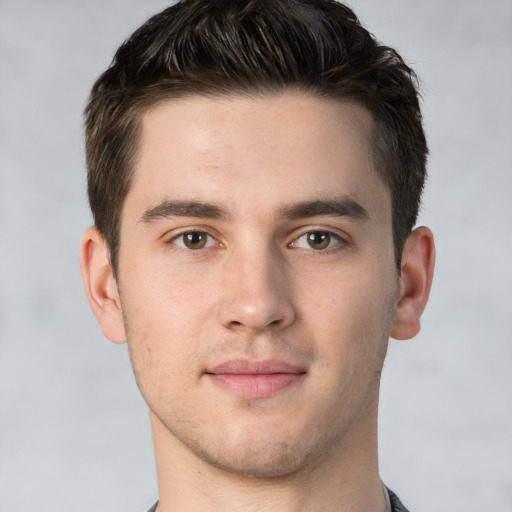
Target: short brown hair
x=212 y=47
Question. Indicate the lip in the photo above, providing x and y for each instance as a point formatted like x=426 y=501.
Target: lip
x=255 y=379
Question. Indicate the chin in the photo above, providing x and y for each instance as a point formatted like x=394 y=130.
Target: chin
x=268 y=462
x=262 y=454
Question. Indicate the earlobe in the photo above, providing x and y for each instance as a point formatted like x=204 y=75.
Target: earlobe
x=416 y=275
x=100 y=286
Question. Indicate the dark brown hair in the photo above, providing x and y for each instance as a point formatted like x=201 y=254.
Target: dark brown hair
x=212 y=47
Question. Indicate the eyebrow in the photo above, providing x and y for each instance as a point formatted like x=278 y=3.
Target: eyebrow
x=339 y=207
x=184 y=209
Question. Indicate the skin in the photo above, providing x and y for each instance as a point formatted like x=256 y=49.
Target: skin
x=252 y=288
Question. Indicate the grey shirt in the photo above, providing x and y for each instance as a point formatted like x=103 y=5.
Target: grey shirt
x=394 y=503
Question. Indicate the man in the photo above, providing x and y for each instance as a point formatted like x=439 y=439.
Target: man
x=255 y=171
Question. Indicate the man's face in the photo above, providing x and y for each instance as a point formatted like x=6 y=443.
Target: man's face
x=257 y=277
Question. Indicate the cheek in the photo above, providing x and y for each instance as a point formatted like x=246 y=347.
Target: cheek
x=159 y=295
x=164 y=315
x=355 y=306
x=163 y=343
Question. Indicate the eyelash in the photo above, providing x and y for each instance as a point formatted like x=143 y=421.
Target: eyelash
x=339 y=245
x=182 y=236
x=341 y=242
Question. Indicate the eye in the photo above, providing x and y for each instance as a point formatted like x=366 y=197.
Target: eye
x=193 y=240
x=317 y=240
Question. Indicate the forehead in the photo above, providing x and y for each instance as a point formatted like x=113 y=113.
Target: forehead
x=288 y=146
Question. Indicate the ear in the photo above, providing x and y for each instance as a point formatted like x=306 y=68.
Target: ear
x=416 y=274
x=100 y=285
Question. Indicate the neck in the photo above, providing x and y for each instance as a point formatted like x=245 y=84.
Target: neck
x=345 y=478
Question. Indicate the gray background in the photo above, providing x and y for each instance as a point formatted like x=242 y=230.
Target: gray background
x=74 y=431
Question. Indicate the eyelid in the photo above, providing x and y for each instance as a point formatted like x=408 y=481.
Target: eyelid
x=343 y=239
x=171 y=237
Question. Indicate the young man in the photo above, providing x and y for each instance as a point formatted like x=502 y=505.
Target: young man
x=255 y=170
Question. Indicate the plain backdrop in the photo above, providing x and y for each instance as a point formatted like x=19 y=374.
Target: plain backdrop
x=74 y=430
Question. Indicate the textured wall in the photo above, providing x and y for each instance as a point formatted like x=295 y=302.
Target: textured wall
x=74 y=431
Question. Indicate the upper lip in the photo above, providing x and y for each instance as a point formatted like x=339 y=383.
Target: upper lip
x=254 y=367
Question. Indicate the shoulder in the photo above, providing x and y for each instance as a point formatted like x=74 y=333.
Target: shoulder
x=396 y=504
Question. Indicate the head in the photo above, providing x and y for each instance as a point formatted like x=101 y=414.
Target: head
x=254 y=47
x=255 y=170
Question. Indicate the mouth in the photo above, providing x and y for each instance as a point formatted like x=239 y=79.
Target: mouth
x=255 y=379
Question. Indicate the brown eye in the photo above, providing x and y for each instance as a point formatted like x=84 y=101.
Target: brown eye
x=193 y=240
x=318 y=240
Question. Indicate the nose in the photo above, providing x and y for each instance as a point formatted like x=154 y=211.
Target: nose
x=256 y=292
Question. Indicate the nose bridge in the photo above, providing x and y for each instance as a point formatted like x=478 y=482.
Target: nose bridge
x=257 y=289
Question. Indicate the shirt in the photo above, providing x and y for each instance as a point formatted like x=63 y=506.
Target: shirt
x=394 y=504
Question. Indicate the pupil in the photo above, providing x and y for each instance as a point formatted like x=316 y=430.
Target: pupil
x=318 y=239
x=195 y=239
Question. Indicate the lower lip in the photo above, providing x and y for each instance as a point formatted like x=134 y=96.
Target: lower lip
x=255 y=386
